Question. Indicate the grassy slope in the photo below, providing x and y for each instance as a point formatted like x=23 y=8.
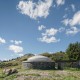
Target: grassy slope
x=70 y=74
x=43 y=75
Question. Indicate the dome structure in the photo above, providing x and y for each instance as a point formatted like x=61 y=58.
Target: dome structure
x=39 y=58
x=38 y=62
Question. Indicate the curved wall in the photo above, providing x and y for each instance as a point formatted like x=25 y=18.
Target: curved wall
x=38 y=65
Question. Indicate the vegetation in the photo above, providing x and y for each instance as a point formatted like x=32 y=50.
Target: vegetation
x=56 y=56
x=32 y=74
x=44 y=75
x=72 y=53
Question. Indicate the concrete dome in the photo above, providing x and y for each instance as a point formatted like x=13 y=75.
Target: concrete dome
x=39 y=58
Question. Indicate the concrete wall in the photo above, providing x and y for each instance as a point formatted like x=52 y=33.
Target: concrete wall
x=62 y=65
x=50 y=65
x=38 y=65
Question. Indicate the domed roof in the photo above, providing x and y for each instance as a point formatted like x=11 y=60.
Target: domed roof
x=39 y=58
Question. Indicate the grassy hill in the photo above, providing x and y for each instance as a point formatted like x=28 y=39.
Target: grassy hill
x=30 y=74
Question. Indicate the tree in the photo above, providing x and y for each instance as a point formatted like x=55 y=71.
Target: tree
x=73 y=51
x=59 y=56
x=46 y=54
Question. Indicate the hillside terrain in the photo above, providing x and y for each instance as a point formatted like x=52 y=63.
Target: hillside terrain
x=68 y=73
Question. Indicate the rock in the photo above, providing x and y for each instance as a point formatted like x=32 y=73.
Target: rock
x=14 y=70
x=9 y=71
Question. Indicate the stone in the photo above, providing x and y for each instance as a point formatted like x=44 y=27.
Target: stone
x=7 y=71
x=10 y=71
x=14 y=70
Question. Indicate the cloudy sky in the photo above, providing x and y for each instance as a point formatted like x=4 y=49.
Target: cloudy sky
x=37 y=26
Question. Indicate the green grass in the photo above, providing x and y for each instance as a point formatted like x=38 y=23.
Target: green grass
x=2 y=76
x=72 y=69
x=32 y=74
x=70 y=78
x=11 y=77
x=68 y=74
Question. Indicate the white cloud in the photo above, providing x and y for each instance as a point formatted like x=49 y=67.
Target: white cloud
x=2 y=40
x=65 y=22
x=73 y=7
x=61 y=29
x=41 y=27
x=15 y=48
x=70 y=8
x=50 y=32
x=60 y=2
x=48 y=39
x=16 y=42
x=72 y=31
x=74 y=21
x=35 y=10
x=49 y=36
